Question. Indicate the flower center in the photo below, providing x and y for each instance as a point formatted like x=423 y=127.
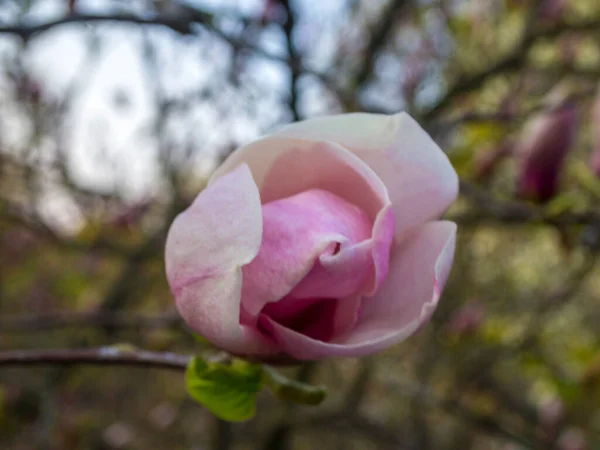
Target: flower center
x=314 y=318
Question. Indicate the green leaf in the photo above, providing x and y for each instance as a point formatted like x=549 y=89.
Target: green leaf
x=292 y=390
x=228 y=391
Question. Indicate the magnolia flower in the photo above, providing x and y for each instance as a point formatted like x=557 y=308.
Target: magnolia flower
x=319 y=240
x=595 y=159
x=545 y=144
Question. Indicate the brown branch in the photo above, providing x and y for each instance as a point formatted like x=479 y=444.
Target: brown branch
x=14 y=214
x=378 y=40
x=511 y=61
x=100 y=356
x=507 y=117
x=182 y=24
x=178 y=24
x=295 y=63
x=490 y=208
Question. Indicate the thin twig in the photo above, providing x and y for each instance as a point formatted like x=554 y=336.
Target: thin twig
x=13 y=214
x=510 y=211
x=100 y=356
x=511 y=61
x=379 y=38
x=26 y=31
x=295 y=63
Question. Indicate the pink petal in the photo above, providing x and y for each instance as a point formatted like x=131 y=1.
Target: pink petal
x=343 y=273
x=420 y=180
x=419 y=268
x=206 y=247
x=297 y=231
x=546 y=143
x=283 y=167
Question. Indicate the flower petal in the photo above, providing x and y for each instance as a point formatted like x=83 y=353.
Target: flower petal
x=419 y=178
x=283 y=167
x=343 y=273
x=419 y=268
x=206 y=247
x=297 y=231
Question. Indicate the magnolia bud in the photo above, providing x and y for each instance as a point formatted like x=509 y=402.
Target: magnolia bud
x=595 y=159
x=544 y=146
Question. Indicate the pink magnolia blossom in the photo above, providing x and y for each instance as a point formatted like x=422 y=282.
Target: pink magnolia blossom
x=319 y=240
x=595 y=158
x=546 y=142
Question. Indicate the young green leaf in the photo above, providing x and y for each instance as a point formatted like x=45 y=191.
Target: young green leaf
x=228 y=391
x=292 y=390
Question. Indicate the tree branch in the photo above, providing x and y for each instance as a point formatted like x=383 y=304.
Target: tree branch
x=179 y=24
x=510 y=211
x=511 y=61
x=100 y=356
x=295 y=63
x=379 y=38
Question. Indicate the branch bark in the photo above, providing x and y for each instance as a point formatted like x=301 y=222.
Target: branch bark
x=295 y=62
x=512 y=60
x=178 y=24
x=379 y=38
x=100 y=356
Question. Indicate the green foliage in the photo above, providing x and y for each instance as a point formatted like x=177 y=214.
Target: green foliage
x=291 y=390
x=228 y=391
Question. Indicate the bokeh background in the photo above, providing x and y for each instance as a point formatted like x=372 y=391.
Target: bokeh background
x=112 y=116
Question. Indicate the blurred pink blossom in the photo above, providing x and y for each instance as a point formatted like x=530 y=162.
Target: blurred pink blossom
x=544 y=145
x=595 y=158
